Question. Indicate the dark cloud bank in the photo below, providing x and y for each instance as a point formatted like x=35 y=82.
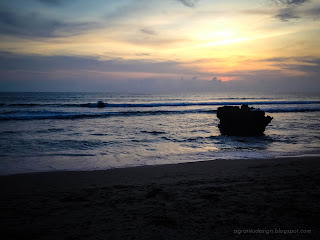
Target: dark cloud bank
x=34 y=25
x=290 y=2
x=290 y=10
x=61 y=73
x=287 y=14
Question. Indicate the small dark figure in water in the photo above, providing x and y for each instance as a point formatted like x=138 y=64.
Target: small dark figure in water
x=244 y=121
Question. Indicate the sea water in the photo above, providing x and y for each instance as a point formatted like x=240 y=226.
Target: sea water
x=68 y=131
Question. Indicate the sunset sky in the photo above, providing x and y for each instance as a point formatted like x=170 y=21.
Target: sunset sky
x=104 y=45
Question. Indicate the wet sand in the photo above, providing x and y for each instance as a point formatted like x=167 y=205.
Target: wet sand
x=204 y=200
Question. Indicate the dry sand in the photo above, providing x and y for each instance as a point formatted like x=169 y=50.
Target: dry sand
x=207 y=200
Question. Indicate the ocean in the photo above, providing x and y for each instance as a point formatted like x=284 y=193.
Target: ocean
x=68 y=131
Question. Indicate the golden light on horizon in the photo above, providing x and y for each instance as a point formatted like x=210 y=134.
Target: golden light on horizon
x=209 y=39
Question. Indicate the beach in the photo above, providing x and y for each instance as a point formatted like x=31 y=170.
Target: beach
x=221 y=199
x=169 y=120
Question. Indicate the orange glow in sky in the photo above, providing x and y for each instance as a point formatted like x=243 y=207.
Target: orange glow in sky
x=226 y=39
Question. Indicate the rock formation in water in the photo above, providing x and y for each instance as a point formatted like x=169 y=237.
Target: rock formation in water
x=100 y=104
x=244 y=121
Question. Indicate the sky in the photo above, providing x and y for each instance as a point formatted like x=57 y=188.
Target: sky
x=155 y=46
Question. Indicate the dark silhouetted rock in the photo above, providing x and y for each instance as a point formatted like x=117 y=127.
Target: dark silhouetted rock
x=244 y=121
x=100 y=104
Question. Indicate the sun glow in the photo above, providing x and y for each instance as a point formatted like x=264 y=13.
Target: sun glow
x=213 y=38
x=225 y=33
x=225 y=42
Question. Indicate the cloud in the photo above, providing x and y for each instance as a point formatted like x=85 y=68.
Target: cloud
x=34 y=25
x=158 y=41
x=287 y=14
x=309 y=66
x=14 y=62
x=216 y=80
x=148 y=31
x=290 y=2
x=128 y=10
x=62 y=73
x=293 y=9
x=287 y=10
x=189 y=3
x=73 y=73
x=52 y=2
x=143 y=54
x=306 y=65
x=313 y=13
x=257 y=11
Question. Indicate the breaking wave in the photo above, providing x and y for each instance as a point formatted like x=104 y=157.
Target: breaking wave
x=164 y=104
x=31 y=115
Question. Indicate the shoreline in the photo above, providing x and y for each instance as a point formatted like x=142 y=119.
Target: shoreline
x=196 y=200
x=312 y=155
